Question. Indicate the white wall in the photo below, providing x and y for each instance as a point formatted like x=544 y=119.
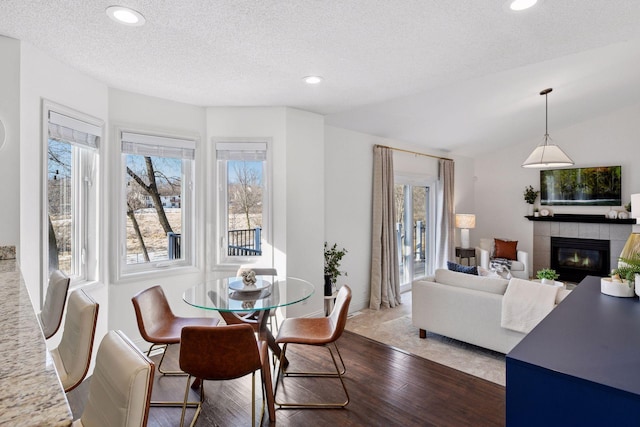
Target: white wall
x=305 y=205
x=605 y=141
x=10 y=151
x=348 y=187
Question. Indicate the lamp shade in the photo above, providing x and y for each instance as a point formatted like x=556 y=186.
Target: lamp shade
x=465 y=221
x=635 y=206
x=632 y=247
x=547 y=155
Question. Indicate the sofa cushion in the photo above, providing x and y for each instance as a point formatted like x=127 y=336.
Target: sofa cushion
x=472 y=269
x=506 y=249
x=487 y=284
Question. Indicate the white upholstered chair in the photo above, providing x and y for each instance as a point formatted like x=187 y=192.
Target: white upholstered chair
x=519 y=267
x=51 y=315
x=73 y=354
x=121 y=384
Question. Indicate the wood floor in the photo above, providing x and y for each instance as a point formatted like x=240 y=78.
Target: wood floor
x=387 y=387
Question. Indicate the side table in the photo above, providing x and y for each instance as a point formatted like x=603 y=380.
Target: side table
x=467 y=253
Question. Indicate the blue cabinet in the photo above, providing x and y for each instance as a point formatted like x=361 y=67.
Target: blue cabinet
x=580 y=366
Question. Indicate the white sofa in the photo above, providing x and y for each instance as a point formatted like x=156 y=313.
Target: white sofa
x=464 y=307
x=519 y=267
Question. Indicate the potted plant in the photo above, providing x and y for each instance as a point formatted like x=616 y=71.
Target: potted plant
x=530 y=196
x=628 y=269
x=332 y=258
x=547 y=276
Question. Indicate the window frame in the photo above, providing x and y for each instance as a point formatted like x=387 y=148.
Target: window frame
x=220 y=209
x=126 y=271
x=86 y=193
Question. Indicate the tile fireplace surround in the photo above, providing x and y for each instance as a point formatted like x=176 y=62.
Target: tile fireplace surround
x=617 y=234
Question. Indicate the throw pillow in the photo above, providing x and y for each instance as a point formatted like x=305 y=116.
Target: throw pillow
x=462 y=268
x=506 y=249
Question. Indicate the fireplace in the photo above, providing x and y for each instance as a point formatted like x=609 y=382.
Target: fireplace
x=574 y=259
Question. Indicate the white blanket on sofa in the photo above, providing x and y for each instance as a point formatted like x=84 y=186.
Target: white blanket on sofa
x=525 y=304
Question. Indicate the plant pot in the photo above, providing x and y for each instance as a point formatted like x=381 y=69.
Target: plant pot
x=328 y=286
x=529 y=209
x=616 y=288
x=637 y=280
x=547 y=281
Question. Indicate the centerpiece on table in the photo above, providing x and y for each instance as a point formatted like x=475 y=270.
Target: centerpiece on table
x=249 y=278
x=627 y=275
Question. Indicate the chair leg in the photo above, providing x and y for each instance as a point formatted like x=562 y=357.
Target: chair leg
x=164 y=352
x=282 y=374
x=185 y=403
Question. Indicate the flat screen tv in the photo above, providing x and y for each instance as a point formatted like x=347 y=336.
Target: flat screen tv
x=599 y=186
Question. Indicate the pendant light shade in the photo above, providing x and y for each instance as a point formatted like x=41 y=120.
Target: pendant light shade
x=547 y=154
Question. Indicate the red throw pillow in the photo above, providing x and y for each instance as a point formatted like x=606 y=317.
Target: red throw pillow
x=506 y=249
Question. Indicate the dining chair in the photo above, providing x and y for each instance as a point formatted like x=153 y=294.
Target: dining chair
x=73 y=355
x=51 y=315
x=158 y=325
x=263 y=271
x=121 y=384
x=317 y=331
x=224 y=353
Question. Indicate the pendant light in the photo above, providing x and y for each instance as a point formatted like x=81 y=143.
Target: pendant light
x=546 y=154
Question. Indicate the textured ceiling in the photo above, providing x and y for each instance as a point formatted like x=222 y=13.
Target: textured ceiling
x=454 y=75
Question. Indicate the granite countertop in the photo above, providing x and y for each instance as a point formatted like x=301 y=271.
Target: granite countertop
x=30 y=391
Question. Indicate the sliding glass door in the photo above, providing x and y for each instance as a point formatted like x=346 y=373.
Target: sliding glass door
x=414 y=230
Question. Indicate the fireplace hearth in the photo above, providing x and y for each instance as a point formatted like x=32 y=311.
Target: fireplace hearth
x=574 y=259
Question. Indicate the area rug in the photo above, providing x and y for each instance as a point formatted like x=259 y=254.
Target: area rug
x=393 y=327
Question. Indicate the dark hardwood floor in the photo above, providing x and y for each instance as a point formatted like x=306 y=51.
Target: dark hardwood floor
x=388 y=387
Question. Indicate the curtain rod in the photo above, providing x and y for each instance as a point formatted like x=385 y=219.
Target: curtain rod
x=413 y=152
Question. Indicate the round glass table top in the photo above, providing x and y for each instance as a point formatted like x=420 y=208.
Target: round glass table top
x=230 y=294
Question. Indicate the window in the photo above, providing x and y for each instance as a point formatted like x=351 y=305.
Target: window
x=243 y=202
x=156 y=202
x=71 y=191
x=414 y=229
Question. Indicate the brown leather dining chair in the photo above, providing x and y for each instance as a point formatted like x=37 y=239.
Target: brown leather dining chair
x=224 y=353
x=158 y=325
x=317 y=331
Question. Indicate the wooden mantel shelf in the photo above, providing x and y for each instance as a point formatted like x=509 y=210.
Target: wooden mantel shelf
x=594 y=219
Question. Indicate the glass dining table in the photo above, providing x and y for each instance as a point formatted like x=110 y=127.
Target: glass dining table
x=239 y=303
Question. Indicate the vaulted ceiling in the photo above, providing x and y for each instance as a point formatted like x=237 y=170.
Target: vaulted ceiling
x=457 y=75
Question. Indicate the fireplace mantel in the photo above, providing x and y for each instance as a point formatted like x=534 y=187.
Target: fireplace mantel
x=593 y=219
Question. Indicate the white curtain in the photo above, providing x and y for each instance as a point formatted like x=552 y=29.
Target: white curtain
x=445 y=226
x=385 y=276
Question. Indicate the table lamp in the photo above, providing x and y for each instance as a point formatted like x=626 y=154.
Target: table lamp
x=464 y=222
x=632 y=247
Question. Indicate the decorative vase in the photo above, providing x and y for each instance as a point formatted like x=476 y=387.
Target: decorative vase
x=547 y=281
x=529 y=209
x=328 y=286
x=637 y=281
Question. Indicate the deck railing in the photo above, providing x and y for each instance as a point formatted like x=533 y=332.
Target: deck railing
x=244 y=242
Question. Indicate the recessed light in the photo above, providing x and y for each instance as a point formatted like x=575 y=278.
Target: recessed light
x=518 y=5
x=312 y=80
x=126 y=16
